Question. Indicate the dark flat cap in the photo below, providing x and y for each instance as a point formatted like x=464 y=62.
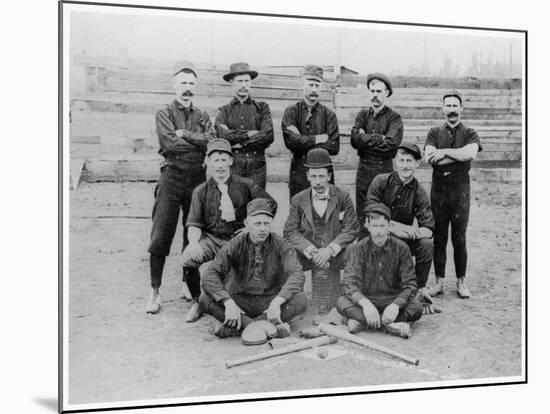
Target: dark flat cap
x=239 y=68
x=182 y=65
x=312 y=72
x=380 y=77
x=218 y=144
x=261 y=206
x=318 y=158
x=411 y=149
x=379 y=208
x=453 y=92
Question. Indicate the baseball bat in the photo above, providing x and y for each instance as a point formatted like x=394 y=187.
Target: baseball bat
x=332 y=330
x=322 y=340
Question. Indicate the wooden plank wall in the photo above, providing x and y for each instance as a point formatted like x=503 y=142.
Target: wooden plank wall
x=120 y=97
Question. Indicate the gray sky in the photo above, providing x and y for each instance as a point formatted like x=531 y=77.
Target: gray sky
x=221 y=41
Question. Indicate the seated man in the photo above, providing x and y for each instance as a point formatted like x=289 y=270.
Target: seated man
x=321 y=223
x=255 y=274
x=379 y=278
x=218 y=208
x=408 y=200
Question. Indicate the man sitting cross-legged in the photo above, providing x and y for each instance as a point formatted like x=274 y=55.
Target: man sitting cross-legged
x=379 y=278
x=255 y=275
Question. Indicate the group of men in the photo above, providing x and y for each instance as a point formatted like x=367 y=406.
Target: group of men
x=255 y=277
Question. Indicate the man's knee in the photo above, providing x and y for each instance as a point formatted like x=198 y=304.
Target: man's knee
x=205 y=302
x=413 y=310
x=299 y=303
x=342 y=303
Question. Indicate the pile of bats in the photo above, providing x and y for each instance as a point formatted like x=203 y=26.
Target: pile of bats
x=332 y=334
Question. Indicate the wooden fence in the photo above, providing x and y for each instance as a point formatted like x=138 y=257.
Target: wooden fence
x=115 y=99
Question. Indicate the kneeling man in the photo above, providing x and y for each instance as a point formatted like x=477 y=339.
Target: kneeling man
x=379 y=278
x=256 y=274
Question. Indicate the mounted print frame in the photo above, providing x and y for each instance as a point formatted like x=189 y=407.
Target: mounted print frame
x=116 y=66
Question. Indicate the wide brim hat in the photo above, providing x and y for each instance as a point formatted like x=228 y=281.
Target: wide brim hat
x=318 y=158
x=239 y=68
x=381 y=77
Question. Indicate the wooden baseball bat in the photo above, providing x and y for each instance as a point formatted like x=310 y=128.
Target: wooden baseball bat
x=310 y=343
x=346 y=336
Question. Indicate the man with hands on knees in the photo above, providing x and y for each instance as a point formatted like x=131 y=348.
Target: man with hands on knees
x=255 y=276
x=408 y=201
x=379 y=282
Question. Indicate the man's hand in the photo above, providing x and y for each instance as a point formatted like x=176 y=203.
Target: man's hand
x=273 y=312
x=252 y=132
x=390 y=313
x=321 y=139
x=371 y=314
x=232 y=314
x=428 y=306
x=322 y=256
x=361 y=131
x=436 y=156
x=292 y=128
x=424 y=233
x=195 y=251
x=179 y=133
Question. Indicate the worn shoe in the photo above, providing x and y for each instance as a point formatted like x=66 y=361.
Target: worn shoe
x=355 y=326
x=223 y=331
x=462 y=289
x=402 y=329
x=194 y=313
x=283 y=330
x=438 y=288
x=185 y=294
x=153 y=305
x=258 y=332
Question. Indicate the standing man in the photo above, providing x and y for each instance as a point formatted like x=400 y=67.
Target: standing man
x=321 y=223
x=306 y=125
x=379 y=279
x=218 y=210
x=257 y=273
x=246 y=124
x=450 y=148
x=376 y=134
x=183 y=132
x=407 y=201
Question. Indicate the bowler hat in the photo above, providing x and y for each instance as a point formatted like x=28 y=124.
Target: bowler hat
x=453 y=92
x=379 y=208
x=218 y=144
x=239 y=68
x=411 y=149
x=380 y=77
x=182 y=65
x=318 y=158
x=261 y=206
x=312 y=72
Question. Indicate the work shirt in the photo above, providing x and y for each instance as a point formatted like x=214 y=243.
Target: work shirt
x=321 y=120
x=235 y=119
x=269 y=268
x=385 y=271
x=383 y=134
x=205 y=205
x=197 y=131
x=445 y=136
x=406 y=201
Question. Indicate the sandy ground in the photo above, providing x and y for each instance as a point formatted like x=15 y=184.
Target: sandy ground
x=118 y=353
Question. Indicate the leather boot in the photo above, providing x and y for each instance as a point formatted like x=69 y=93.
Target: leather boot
x=402 y=329
x=462 y=289
x=153 y=305
x=194 y=313
x=438 y=288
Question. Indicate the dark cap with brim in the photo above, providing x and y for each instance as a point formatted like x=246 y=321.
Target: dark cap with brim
x=381 y=77
x=261 y=206
x=453 y=92
x=220 y=145
x=379 y=208
x=411 y=149
x=182 y=65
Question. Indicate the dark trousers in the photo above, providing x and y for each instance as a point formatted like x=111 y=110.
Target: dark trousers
x=254 y=306
x=172 y=194
x=450 y=199
x=422 y=250
x=411 y=312
x=251 y=165
x=297 y=178
x=366 y=171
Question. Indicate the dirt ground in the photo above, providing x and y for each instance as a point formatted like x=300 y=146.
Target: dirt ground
x=118 y=353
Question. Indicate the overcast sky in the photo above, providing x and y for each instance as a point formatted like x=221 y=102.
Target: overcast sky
x=273 y=41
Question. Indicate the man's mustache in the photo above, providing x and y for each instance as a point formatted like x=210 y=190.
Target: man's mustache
x=315 y=94
x=452 y=113
x=187 y=93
